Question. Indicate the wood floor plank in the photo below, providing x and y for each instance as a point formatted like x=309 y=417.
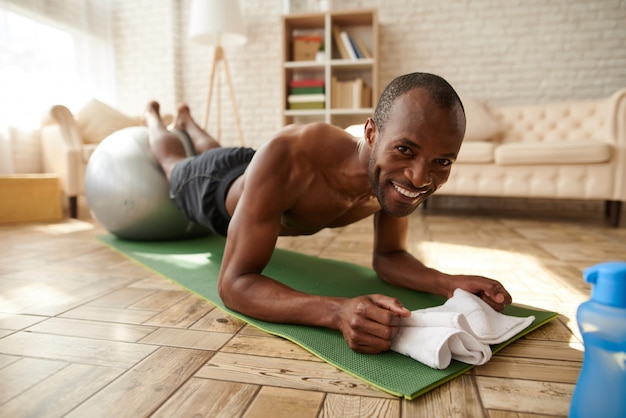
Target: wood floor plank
x=25 y=373
x=218 y=321
x=161 y=299
x=554 y=330
x=296 y=374
x=186 y=338
x=525 y=395
x=17 y=322
x=342 y=406
x=145 y=387
x=51 y=306
x=93 y=329
x=457 y=398
x=60 y=393
x=494 y=413
x=36 y=293
x=111 y=314
x=183 y=314
x=75 y=350
x=549 y=350
x=6 y=360
x=590 y=254
x=531 y=369
x=208 y=398
x=123 y=298
x=251 y=330
x=268 y=346
x=284 y=403
x=155 y=281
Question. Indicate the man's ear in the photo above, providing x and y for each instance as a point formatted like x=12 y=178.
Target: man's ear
x=370 y=132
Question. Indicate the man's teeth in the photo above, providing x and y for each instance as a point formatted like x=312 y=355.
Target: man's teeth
x=407 y=193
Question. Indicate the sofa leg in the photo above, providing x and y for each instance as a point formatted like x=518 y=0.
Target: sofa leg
x=73 y=202
x=613 y=209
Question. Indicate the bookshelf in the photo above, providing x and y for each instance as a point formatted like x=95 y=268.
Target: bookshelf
x=314 y=54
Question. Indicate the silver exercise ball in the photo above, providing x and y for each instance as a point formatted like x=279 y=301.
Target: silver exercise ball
x=127 y=191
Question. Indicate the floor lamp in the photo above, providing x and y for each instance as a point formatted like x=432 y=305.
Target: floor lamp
x=219 y=23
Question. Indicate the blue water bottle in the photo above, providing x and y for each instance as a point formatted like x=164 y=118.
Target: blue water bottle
x=601 y=387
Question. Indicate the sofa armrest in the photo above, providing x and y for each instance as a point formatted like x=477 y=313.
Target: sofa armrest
x=60 y=158
x=70 y=134
x=617 y=134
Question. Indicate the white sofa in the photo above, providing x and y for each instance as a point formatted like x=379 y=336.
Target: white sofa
x=572 y=150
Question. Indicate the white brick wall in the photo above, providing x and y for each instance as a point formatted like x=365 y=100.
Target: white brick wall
x=504 y=52
x=147 y=39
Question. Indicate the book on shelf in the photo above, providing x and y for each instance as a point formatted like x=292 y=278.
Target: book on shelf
x=343 y=52
x=306 y=101
x=306 y=98
x=347 y=43
x=307 y=83
x=350 y=46
x=361 y=47
x=350 y=94
x=306 y=90
x=306 y=106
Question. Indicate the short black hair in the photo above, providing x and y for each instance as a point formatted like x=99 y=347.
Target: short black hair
x=439 y=89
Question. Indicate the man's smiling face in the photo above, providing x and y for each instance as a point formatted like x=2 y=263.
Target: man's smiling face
x=413 y=153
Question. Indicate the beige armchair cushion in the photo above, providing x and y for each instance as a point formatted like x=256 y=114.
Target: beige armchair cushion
x=481 y=124
x=97 y=120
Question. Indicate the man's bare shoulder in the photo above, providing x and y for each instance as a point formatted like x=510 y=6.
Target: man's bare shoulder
x=312 y=141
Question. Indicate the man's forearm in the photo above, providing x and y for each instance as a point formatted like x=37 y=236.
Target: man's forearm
x=263 y=298
x=403 y=270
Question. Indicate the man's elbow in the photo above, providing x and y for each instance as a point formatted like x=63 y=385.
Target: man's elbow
x=381 y=267
x=225 y=290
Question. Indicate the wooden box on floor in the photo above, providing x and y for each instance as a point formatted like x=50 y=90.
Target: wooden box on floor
x=30 y=198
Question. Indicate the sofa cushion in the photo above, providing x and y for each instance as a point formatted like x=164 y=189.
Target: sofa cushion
x=479 y=152
x=97 y=120
x=564 y=152
x=481 y=124
x=356 y=130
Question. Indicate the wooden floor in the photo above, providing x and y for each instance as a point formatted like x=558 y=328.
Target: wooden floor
x=86 y=333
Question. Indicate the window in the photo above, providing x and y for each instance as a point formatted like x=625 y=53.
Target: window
x=42 y=63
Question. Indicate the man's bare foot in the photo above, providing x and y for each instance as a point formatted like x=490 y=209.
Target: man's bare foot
x=152 y=116
x=202 y=141
x=183 y=118
x=164 y=145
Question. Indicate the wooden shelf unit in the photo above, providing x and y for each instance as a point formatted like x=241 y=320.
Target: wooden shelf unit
x=330 y=65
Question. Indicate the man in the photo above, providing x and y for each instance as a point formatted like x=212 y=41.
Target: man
x=315 y=176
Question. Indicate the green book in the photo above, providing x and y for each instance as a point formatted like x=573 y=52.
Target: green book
x=307 y=90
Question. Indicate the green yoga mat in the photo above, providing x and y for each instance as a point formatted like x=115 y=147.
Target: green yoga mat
x=194 y=264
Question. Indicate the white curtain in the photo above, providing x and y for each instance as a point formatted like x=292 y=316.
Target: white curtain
x=51 y=52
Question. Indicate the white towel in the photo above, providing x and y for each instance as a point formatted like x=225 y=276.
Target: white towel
x=460 y=329
x=436 y=346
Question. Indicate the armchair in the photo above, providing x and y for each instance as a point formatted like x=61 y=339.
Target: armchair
x=68 y=140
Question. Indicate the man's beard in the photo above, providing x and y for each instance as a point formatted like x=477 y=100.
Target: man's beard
x=380 y=192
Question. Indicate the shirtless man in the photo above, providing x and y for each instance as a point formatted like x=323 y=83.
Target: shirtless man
x=315 y=176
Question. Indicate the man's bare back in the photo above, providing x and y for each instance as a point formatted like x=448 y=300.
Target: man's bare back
x=316 y=176
x=325 y=178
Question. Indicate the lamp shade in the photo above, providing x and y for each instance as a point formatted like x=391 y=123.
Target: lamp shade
x=217 y=22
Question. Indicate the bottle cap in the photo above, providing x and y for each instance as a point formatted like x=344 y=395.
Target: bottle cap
x=609 y=283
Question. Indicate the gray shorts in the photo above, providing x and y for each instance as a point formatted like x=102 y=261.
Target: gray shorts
x=199 y=184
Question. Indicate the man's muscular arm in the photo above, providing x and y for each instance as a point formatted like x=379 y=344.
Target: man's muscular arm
x=397 y=266
x=368 y=323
